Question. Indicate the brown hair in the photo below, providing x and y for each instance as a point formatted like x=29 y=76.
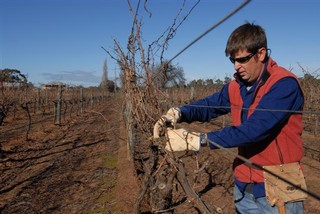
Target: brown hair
x=248 y=37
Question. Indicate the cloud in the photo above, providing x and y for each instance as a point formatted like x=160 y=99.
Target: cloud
x=85 y=78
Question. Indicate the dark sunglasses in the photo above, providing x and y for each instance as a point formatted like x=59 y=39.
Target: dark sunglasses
x=242 y=60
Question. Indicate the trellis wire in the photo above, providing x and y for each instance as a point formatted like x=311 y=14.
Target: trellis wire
x=210 y=29
x=257 y=109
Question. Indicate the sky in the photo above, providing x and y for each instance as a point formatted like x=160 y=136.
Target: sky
x=60 y=40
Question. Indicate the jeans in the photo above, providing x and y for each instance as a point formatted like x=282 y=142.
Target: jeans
x=246 y=203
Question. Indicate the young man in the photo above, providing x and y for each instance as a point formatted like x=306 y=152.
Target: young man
x=265 y=101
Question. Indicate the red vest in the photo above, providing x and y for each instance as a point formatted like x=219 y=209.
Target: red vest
x=285 y=147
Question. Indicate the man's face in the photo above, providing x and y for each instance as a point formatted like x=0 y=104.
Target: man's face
x=249 y=66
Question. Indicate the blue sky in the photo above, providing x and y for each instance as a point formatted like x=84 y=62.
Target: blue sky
x=60 y=40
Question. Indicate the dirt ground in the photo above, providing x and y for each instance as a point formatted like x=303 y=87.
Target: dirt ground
x=82 y=166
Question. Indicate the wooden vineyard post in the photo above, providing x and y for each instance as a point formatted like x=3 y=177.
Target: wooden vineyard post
x=57 y=115
x=316 y=125
x=130 y=132
x=46 y=103
x=38 y=100
x=81 y=100
x=192 y=93
x=92 y=101
x=129 y=89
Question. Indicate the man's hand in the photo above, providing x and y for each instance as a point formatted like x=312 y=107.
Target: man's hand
x=172 y=116
x=182 y=140
x=158 y=128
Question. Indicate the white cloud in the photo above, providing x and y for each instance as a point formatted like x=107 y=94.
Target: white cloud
x=78 y=77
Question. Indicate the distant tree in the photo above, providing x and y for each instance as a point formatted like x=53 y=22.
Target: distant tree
x=193 y=83
x=209 y=81
x=104 y=73
x=105 y=83
x=200 y=82
x=12 y=82
x=12 y=77
x=227 y=80
x=169 y=76
x=219 y=82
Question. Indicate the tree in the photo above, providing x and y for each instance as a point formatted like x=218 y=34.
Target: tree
x=192 y=83
x=209 y=81
x=104 y=73
x=227 y=80
x=169 y=76
x=200 y=82
x=12 y=82
x=105 y=83
x=12 y=77
x=219 y=82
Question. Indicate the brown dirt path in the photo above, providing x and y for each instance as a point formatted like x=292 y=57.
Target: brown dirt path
x=127 y=184
x=78 y=167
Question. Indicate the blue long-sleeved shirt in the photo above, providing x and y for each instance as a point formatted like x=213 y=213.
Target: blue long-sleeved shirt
x=283 y=97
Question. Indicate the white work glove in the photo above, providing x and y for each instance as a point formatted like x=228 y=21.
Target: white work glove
x=172 y=116
x=182 y=140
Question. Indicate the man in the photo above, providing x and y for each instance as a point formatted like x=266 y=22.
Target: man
x=265 y=101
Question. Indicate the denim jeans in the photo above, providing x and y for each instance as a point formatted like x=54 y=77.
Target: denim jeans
x=246 y=203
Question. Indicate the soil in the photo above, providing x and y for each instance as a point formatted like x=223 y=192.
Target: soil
x=80 y=166
x=83 y=166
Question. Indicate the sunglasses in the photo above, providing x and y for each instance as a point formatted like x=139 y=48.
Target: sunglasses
x=242 y=60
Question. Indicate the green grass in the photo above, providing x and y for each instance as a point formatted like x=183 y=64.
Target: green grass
x=106 y=201
x=111 y=161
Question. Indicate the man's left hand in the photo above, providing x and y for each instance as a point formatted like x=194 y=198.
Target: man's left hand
x=182 y=140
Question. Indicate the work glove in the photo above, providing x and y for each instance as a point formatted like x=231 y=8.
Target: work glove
x=170 y=119
x=182 y=140
x=173 y=116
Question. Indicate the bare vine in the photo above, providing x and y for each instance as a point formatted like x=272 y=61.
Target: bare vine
x=158 y=171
